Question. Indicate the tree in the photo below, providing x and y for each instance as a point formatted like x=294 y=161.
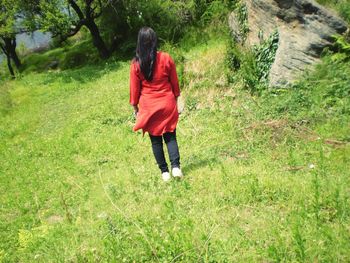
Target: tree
x=8 y=47
x=57 y=17
x=8 y=31
x=16 y=17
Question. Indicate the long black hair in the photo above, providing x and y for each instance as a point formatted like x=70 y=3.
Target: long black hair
x=146 y=51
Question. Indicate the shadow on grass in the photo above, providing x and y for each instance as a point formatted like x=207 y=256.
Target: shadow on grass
x=197 y=162
x=83 y=74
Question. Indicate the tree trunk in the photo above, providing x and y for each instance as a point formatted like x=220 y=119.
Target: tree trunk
x=14 y=55
x=8 y=57
x=97 y=39
x=10 y=66
x=10 y=46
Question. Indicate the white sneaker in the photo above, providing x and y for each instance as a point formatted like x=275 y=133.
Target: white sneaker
x=176 y=172
x=166 y=176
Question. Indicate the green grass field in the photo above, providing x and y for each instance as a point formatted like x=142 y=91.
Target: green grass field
x=266 y=178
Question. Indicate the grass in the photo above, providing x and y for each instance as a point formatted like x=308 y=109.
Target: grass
x=266 y=178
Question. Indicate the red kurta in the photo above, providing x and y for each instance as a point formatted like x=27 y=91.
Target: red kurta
x=157 y=98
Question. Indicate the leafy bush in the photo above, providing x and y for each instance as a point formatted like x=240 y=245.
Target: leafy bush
x=216 y=11
x=123 y=19
x=242 y=14
x=252 y=66
x=114 y=24
x=80 y=54
x=39 y=62
x=341 y=47
x=170 y=19
x=265 y=55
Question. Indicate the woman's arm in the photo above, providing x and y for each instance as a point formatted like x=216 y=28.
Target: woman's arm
x=135 y=87
x=173 y=78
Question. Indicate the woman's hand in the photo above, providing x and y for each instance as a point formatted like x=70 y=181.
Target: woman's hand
x=180 y=104
x=136 y=110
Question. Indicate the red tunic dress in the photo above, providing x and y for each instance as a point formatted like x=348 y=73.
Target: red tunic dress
x=157 y=98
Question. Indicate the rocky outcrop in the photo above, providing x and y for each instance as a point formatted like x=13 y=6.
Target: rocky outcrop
x=305 y=29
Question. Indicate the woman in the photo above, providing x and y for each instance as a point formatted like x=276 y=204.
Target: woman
x=154 y=89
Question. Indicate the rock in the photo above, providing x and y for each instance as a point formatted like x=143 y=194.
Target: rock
x=305 y=29
x=235 y=28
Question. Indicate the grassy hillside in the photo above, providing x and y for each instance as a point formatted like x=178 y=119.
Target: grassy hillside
x=266 y=178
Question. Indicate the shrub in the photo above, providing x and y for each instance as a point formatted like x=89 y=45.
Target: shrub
x=80 y=54
x=252 y=66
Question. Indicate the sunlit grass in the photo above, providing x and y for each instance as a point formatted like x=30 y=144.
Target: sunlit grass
x=266 y=179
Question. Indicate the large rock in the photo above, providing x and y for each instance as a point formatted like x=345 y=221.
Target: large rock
x=305 y=29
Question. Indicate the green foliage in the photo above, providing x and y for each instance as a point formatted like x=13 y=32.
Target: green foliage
x=80 y=54
x=248 y=70
x=167 y=18
x=7 y=19
x=61 y=18
x=265 y=55
x=175 y=22
x=114 y=26
x=341 y=47
x=216 y=11
x=71 y=55
x=53 y=17
x=252 y=67
x=79 y=51
x=16 y=16
x=172 y=20
x=38 y=62
x=242 y=15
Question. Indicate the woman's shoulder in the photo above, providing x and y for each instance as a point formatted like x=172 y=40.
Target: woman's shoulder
x=134 y=62
x=134 y=65
x=164 y=55
x=166 y=58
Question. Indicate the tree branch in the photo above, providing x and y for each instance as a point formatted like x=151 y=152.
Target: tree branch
x=74 y=31
x=88 y=10
x=76 y=8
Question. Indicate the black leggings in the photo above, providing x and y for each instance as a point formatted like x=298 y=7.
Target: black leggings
x=173 y=150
